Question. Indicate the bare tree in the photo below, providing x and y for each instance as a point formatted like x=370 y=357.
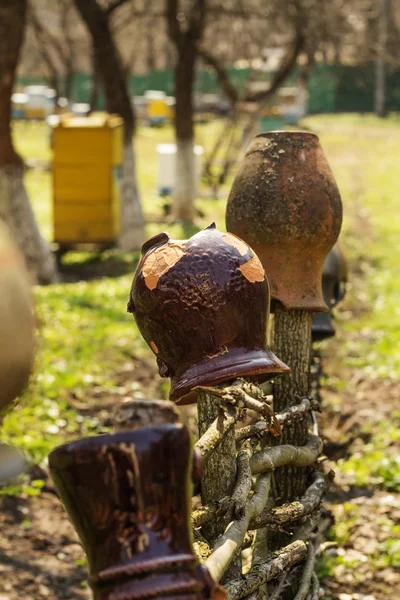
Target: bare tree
x=58 y=41
x=185 y=29
x=380 y=77
x=110 y=70
x=15 y=208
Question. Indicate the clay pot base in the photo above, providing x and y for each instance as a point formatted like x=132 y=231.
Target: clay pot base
x=256 y=365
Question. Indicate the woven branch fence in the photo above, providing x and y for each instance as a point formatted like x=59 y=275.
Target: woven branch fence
x=247 y=517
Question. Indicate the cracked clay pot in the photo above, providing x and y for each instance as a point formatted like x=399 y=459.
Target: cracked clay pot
x=334 y=279
x=202 y=306
x=128 y=497
x=285 y=203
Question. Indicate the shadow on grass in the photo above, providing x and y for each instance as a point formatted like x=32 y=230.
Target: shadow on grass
x=84 y=265
x=87 y=266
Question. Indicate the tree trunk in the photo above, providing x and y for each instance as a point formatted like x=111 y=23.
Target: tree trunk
x=132 y=233
x=219 y=476
x=69 y=78
x=185 y=184
x=111 y=72
x=292 y=343
x=380 y=68
x=15 y=208
x=16 y=211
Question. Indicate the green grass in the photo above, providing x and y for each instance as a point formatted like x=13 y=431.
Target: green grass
x=85 y=334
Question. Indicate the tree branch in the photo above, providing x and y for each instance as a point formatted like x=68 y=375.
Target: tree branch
x=243 y=483
x=229 y=544
x=171 y=13
x=279 y=562
x=307 y=574
x=261 y=427
x=227 y=86
x=229 y=89
x=197 y=20
x=315 y=587
x=295 y=510
x=239 y=395
x=279 y=456
x=47 y=37
x=215 y=433
x=113 y=6
x=287 y=65
x=275 y=517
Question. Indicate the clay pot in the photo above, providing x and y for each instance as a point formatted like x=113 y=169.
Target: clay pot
x=202 y=306
x=17 y=323
x=334 y=279
x=138 y=413
x=285 y=203
x=128 y=496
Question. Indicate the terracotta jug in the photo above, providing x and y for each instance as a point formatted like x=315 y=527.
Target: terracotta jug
x=202 y=306
x=285 y=203
x=128 y=496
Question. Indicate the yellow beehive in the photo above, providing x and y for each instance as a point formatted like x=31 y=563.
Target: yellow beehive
x=158 y=110
x=87 y=168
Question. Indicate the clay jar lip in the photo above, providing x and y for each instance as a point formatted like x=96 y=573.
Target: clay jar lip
x=258 y=365
x=288 y=132
x=63 y=456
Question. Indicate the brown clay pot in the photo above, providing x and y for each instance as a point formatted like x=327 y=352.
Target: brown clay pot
x=17 y=322
x=128 y=496
x=334 y=279
x=135 y=414
x=285 y=203
x=202 y=306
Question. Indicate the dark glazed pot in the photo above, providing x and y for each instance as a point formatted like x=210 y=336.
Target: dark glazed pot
x=334 y=279
x=128 y=496
x=285 y=203
x=202 y=306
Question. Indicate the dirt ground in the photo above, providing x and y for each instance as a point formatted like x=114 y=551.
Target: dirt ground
x=40 y=556
x=369 y=514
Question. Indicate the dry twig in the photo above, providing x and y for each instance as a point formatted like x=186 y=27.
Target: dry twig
x=278 y=456
x=279 y=562
x=238 y=396
x=262 y=427
x=229 y=544
x=314 y=588
x=307 y=574
x=215 y=433
x=295 y=510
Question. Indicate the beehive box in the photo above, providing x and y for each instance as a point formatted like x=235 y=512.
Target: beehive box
x=87 y=169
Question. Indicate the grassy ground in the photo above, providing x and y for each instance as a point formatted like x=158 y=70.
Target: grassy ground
x=90 y=354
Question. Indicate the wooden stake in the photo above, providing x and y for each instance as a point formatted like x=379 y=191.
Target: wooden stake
x=219 y=468
x=292 y=343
